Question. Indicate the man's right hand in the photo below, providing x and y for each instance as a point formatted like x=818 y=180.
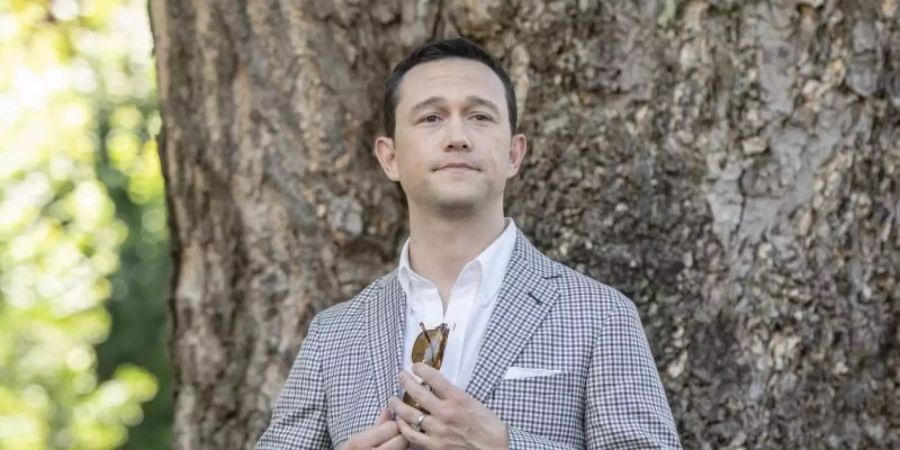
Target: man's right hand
x=384 y=435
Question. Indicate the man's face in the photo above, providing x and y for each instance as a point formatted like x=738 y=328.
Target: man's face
x=452 y=148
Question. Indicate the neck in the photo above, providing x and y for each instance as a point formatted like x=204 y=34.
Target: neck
x=441 y=244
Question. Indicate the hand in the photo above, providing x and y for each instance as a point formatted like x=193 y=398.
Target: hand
x=455 y=419
x=384 y=435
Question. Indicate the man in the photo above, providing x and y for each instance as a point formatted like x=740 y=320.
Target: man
x=538 y=355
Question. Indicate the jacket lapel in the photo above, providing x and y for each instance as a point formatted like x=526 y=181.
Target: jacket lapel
x=385 y=313
x=525 y=298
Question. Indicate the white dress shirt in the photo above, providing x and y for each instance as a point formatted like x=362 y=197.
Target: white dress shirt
x=472 y=299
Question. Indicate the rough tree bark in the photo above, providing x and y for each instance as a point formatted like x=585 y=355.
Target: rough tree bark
x=732 y=166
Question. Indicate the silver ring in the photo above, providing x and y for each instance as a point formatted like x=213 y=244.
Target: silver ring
x=418 y=424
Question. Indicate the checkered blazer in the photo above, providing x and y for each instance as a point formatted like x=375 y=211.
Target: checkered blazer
x=607 y=393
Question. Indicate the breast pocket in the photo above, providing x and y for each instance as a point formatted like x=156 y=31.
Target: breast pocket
x=551 y=406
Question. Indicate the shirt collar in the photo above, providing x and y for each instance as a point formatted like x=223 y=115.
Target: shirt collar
x=490 y=264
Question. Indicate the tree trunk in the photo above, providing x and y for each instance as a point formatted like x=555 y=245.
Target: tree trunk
x=731 y=166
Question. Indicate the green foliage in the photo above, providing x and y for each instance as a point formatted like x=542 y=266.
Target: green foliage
x=82 y=221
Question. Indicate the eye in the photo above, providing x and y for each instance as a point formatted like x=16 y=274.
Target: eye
x=430 y=118
x=482 y=117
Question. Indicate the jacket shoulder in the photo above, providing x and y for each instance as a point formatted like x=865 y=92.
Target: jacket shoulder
x=349 y=311
x=590 y=295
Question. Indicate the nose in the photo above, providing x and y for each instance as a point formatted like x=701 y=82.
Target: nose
x=457 y=138
x=458 y=144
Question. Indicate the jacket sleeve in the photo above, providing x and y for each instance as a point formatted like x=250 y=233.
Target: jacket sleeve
x=625 y=403
x=299 y=419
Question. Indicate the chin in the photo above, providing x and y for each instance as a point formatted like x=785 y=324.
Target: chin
x=458 y=204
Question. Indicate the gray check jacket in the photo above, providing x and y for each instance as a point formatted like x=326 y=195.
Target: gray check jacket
x=608 y=394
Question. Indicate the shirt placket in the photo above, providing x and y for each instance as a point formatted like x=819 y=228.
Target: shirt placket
x=461 y=303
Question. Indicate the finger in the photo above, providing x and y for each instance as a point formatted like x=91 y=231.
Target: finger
x=416 y=438
x=419 y=393
x=379 y=434
x=397 y=442
x=406 y=412
x=434 y=379
x=383 y=416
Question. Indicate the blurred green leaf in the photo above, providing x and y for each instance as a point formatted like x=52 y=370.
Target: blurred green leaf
x=82 y=229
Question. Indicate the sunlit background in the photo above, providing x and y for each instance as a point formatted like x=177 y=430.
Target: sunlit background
x=83 y=238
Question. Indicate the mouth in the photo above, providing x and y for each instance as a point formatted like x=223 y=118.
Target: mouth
x=455 y=167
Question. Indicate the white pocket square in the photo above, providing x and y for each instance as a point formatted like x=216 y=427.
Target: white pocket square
x=518 y=373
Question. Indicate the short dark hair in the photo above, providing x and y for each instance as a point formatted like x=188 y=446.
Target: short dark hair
x=435 y=50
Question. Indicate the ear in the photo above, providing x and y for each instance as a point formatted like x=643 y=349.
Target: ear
x=517 y=149
x=387 y=157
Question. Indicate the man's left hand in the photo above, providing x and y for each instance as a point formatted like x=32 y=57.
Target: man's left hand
x=455 y=420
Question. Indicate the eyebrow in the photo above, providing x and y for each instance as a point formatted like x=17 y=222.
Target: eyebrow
x=472 y=100
x=481 y=101
x=427 y=103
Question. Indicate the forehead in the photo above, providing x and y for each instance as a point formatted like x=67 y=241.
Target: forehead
x=451 y=78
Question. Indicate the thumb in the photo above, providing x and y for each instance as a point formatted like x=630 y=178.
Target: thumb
x=383 y=416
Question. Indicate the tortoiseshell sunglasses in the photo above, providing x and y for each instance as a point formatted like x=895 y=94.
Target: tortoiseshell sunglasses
x=429 y=349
